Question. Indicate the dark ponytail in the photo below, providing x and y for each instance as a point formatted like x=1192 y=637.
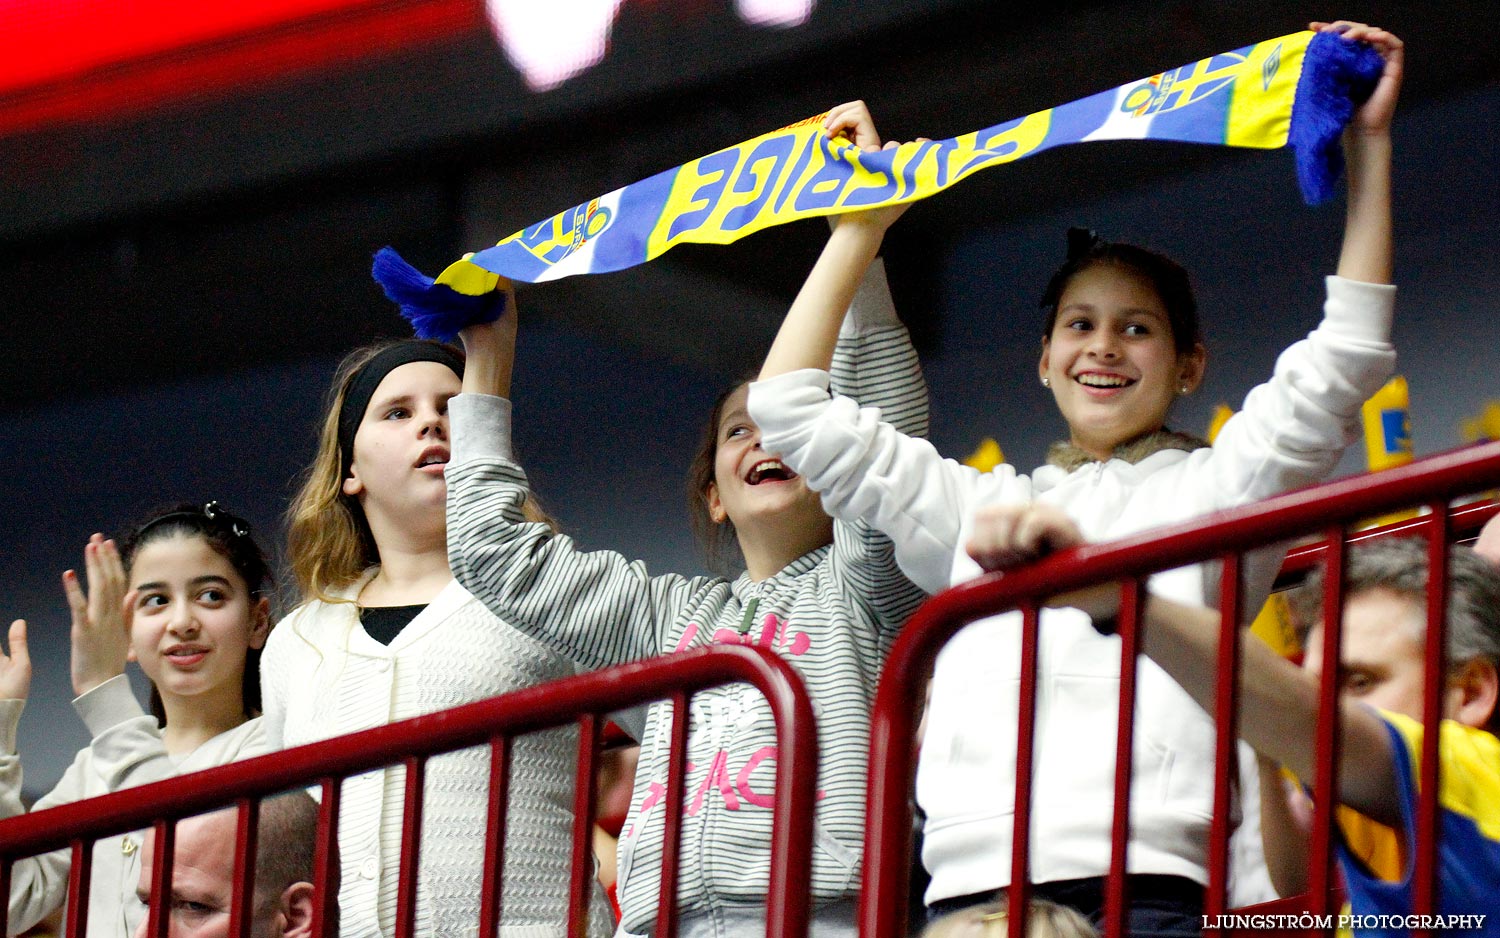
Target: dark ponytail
x=1086 y=249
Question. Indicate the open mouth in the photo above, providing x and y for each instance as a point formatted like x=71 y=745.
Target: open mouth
x=433 y=456
x=1094 y=379
x=769 y=470
x=185 y=655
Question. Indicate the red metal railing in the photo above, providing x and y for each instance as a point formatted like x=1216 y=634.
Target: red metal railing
x=410 y=743
x=1225 y=537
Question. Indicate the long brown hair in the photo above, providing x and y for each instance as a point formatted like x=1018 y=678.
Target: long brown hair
x=329 y=542
x=721 y=547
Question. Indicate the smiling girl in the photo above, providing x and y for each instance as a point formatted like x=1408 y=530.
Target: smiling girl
x=385 y=633
x=824 y=594
x=194 y=619
x=1120 y=344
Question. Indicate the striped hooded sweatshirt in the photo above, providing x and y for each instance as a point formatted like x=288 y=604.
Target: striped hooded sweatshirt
x=832 y=613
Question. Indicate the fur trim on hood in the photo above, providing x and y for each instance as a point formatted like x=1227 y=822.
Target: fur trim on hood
x=1068 y=457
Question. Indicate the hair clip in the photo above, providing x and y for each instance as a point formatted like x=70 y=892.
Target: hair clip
x=215 y=513
x=1081 y=241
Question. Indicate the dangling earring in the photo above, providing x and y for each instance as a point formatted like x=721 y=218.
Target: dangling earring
x=1046 y=382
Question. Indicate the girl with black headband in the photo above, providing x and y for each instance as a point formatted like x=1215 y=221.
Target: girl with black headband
x=384 y=633
x=186 y=598
x=1119 y=345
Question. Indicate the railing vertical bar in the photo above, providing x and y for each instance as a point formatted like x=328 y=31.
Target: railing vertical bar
x=325 y=857
x=411 y=846
x=492 y=888
x=1424 y=894
x=1325 y=775
x=79 y=872
x=1020 y=845
x=583 y=826
x=671 y=858
x=886 y=867
x=163 y=857
x=327 y=764
x=789 y=900
x=1226 y=719
x=1115 y=897
x=246 y=836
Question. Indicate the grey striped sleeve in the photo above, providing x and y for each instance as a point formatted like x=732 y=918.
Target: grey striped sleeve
x=876 y=365
x=596 y=607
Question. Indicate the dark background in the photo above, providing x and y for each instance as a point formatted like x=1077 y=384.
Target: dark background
x=178 y=282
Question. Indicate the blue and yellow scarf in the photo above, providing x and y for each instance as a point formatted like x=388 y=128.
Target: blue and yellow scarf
x=1299 y=89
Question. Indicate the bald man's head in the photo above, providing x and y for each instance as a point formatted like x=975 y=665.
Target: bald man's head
x=203 y=872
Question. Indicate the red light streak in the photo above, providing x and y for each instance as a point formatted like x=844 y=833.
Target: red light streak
x=82 y=60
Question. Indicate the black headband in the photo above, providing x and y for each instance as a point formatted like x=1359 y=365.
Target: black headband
x=367 y=379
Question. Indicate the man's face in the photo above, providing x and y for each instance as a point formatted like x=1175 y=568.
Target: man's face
x=1381 y=658
x=202 y=879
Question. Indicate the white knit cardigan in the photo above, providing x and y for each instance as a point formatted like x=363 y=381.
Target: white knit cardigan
x=323 y=676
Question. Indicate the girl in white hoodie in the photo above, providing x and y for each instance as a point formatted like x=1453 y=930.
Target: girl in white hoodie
x=1121 y=344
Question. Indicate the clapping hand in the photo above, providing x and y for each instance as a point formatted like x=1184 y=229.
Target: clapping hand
x=15 y=668
x=101 y=617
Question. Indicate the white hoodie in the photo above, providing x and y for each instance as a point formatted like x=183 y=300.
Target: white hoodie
x=1290 y=433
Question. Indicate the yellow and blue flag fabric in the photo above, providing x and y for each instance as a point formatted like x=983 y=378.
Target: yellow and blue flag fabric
x=986 y=456
x=1273 y=624
x=1483 y=427
x=1299 y=88
x=1387 y=420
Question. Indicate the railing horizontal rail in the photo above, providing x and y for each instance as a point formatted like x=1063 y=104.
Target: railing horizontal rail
x=1464 y=522
x=516 y=713
x=1234 y=530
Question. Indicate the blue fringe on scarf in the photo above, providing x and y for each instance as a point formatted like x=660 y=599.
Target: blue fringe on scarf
x=1337 y=77
x=435 y=310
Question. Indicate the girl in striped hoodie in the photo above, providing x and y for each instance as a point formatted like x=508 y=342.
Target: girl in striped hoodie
x=825 y=594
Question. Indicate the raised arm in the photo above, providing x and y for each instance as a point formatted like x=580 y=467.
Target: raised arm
x=126 y=750
x=875 y=362
x=865 y=463
x=490 y=350
x=811 y=329
x=1278 y=700
x=126 y=744
x=1367 y=249
x=596 y=607
x=37 y=884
